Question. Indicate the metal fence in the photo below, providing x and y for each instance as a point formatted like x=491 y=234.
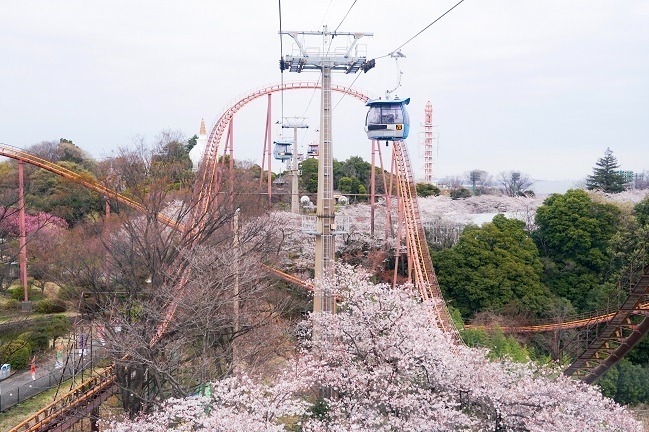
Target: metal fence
x=11 y=394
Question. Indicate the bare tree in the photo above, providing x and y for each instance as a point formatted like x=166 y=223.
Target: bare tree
x=515 y=183
x=480 y=181
x=165 y=292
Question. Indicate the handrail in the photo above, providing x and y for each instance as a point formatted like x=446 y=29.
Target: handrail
x=73 y=398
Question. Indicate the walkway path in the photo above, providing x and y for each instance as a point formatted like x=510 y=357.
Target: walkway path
x=20 y=386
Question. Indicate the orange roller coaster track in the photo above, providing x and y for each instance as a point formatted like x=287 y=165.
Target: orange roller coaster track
x=579 y=321
x=84 y=180
x=618 y=337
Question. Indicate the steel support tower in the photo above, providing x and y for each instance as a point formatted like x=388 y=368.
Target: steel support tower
x=429 y=144
x=326 y=59
x=294 y=123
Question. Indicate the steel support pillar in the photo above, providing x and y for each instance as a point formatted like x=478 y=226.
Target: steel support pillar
x=266 y=156
x=324 y=240
x=22 y=239
x=295 y=199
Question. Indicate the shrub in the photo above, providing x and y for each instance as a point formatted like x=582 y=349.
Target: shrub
x=17 y=353
x=11 y=304
x=18 y=294
x=37 y=339
x=50 y=306
x=426 y=189
x=460 y=193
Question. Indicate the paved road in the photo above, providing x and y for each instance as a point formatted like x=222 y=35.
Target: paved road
x=20 y=385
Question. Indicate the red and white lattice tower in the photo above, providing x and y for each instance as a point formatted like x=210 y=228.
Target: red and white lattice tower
x=430 y=144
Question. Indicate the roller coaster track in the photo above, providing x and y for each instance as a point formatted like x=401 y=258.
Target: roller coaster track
x=67 y=410
x=584 y=320
x=618 y=337
x=207 y=188
x=424 y=276
x=82 y=179
x=287 y=277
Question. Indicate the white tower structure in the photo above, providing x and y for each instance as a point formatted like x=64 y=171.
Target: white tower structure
x=326 y=59
x=196 y=153
x=430 y=144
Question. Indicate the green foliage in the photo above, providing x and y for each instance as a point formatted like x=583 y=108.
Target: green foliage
x=350 y=177
x=456 y=316
x=574 y=235
x=17 y=353
x=351 y=185
x=426 y=189
x=640 y=353
x=642 y=212
x=626 y=383
x=40 y=334
x=320 y=408
x=191 y=143
x=56 y=326
x=500 y=346
x=173 y=160
x=53 y=194
x=460 y=193
x=38 y=340
x=492 y=267
x=605 y=175
x=309 y=177
x=18 y=294
x=50 y=306
x=11 y=304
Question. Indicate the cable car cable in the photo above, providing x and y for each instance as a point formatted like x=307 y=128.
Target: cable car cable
x=326 y=12
x=420 y=32
x=348 y=11
x=281 y=56
x=345 y=94
x=312 y=96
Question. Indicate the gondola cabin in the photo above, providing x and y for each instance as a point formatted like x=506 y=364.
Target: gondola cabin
x=387 y=120
x=312 y=151
x=282 y=150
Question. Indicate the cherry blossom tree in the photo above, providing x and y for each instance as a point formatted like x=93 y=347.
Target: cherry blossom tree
x=382 y=364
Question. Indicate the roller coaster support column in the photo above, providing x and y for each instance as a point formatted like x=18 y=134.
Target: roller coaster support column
x=106 y=235
x=22 y=241
x=229 y=150
x=267 y=154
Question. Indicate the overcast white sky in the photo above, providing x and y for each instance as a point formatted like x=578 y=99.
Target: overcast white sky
x=538 y=86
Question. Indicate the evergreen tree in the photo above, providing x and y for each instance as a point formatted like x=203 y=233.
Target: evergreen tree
x=605 y=175
x=491 y=267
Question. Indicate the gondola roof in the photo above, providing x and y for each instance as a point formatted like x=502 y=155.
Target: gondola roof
x=387 y=102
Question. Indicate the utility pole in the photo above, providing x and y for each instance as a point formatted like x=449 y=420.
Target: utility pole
x=326 y=59
x=294 y=123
